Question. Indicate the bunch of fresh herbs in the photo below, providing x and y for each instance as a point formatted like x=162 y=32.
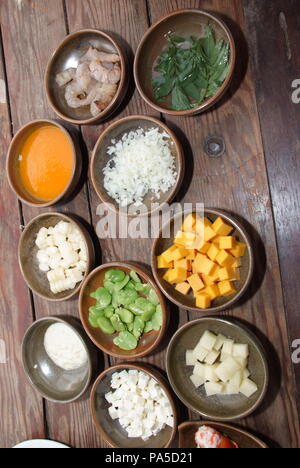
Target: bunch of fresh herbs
x=191 y=70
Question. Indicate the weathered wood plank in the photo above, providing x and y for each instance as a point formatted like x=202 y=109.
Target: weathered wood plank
x=20 y=408
x=273 y=31
x=238 y=182
x=38 y=27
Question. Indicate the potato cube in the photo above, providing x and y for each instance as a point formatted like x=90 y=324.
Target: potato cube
x=203 y=301
x=212 y=357
x=212 y=291
x=212 y=252
x=221 y=227
x=213 y=388
x=210 y=373
x=227 y=369
x=195 y=282
x=162 y=263
x=197 y=380
x=183 y=288
x=167 y=255
x=208 y=340
x=225 y=259
x=220 y=341
x=226 y=288
x=209 y=233
x=199 y=369
x=228 y=347
x=241 y=350
x=227 y=242
x=200 y=353
x=248 y=388
x=239 y=250
x=190 y=359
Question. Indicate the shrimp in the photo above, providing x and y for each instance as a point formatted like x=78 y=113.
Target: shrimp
x=65 y=77
x=83 y=75
x=104 y=95
x=94 y=54
x=104 y=74
x=207 y=437
x=76 y=97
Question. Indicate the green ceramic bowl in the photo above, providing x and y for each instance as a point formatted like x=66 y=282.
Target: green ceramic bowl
x=221 y=407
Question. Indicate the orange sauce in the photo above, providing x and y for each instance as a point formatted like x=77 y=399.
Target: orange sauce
x=46 y=163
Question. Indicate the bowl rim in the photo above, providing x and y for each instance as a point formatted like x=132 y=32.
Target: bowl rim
x=179 y=152
x=251 y=336
x=85 y=234
x=26 y=369
x=11 y=155
x=122 y=87
x=155 y=374
x=224 y=426
x=143 y=272
x=237 y=225
x=208 y=102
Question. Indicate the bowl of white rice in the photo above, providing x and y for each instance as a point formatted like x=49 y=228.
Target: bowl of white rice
x=137 y=165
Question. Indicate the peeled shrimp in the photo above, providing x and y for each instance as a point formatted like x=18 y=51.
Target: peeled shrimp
x=83 y=76
x=94 y=54
x=104 y=95
x=65 y=77
x=76 y=97
x=105 y=74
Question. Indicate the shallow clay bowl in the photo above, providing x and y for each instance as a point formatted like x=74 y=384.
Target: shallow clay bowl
x=188 y=301
x=51 y=381
x=243 y=439
x=219 y=407
x=100 y=159
x=185 y=23
x=110 y=429
x=148 y=343
x=67 y=55
x=36 y=280
x=12 y=164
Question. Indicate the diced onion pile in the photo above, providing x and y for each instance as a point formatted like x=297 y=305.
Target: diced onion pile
x=142 y=162
x=139 y=403
x=221 y=365
x=62 y=255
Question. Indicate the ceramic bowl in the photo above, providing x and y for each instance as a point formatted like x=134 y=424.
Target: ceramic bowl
x=67 y=55
x=188 y=301
x=184 y=23
x=100 y=159
x=12 y=165
x=36 y=280
x=51 y=381
x=219 y=407
x=111 y=430
x=148 y=343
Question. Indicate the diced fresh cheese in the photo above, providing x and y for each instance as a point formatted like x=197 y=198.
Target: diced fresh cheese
x=210 y=374
x=213 y=388
x=241 y=350
x=190 y=358
x=212 y=357
x=228 y=347
x=227 y=369
x=220 y=341
x=208 y=340
x=199 y=369
x=200 y=353
x=197 y=380
x=248 y=388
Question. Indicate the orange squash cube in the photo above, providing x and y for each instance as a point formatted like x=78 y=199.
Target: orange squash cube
x=221 y=227
x=191 y=255
x=189 y=222
x=227 y=242
x=204 y=247
x=225 y=259
x=212 y=291
x=166 y=276
x=239 y=250
x=205 y=265
x=183 y=288
x=203 y=301
x=226 y=288
x=184 y=263
x=177 y=275
x=209 y=233
x=167 y=255
x=162 y=263
x=227 y=274
x=207 y=280
x=196 y=282
x=212 y=252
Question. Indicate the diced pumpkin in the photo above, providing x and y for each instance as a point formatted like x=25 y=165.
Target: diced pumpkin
x=167 y=255
x=162 y=263
x=212 y=252
x=203 y=301
x=209 y=233
x=177 y=275
x=204 y=247
x=227 y=242
x=239 y=250
x=225 y=259
x=183 y=288
x=191 y=255
x=196 y=282
x=207 y=280
x=166 y=276
x=183 y=263
x=221 y=228
x=226 y=288
x=189 y=222
x=227 y=274
x=212 y=291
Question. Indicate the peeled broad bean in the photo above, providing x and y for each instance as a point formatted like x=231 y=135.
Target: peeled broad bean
x=120 y=285
x=125 y=298
x=125 y=315
x=157 y=319
x=126 y=340
x=143 y=288
x=148 y=327
x=94 y=315
x=102 y=296
x=109 y=285
x=106 y=326
x=117 y=323
x=135 y=277
x=148 y=315
x=115 y=275
x=138 y=327
x=109 y=311
x=152 y=297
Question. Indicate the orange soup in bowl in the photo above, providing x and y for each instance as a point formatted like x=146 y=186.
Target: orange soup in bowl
x=46 y=163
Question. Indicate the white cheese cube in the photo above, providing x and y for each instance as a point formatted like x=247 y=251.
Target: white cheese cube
x=200 y=353
x=220 y=341
x=197 y=380
x=113 y=413
x=248 y=388
x=224 y=356
x=210 y=374
x=246 y=374
x=109 y=397
x=212 y=357
x=227 y=347
x=227 y=369
x=199 y=369
x=190 y=359
x=243 y=362
x=231 y=389
x=241 y=350
x=237 y=379
x=208 y=340
x=213 y=388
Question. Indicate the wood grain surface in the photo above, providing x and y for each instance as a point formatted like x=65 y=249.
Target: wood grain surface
x=251 y=120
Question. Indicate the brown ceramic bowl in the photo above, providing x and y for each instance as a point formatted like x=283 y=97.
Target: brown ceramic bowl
x=183 y=23
x=13 y=158
x=36 y=280
x=188 y=301
x=148 y=342
x=51 y=381
x=243 y=439
x=111 y=430
x=67 y=55
x=219 y=407
x=100 y=159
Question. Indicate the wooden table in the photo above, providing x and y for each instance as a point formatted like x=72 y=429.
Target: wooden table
x=257 y=179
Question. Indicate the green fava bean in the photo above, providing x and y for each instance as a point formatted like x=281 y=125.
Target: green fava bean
x=120 y=285
x=106 y=326
x=130 y=327
x=126 y=340
x=94 y=315
x=152 y=297
x=109 y=285
x=138 y=327
x=157 y=319
x=125 y=298
x=109 y=311
x=130 y=286
x=148 y=327
x=115 y=276
x=102 y=296
x=125 y=315
x=117 y=323
x=148 y=315
x=135 y=277
x=143 y=288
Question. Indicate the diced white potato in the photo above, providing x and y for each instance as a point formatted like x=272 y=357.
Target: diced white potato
x=210 y=373
x=190 y=359
x=197 y=380
x=220 y=341
x=237 y=379
x=241 y=350
x=208 y=340
x=248 y=388
x=213 y=388
x=228 y=347
x=231 y=389
x=227 y=369
x=242 y=361
x=212 y=357
x=199 y=369
x=200 y=353
x=246 y=373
